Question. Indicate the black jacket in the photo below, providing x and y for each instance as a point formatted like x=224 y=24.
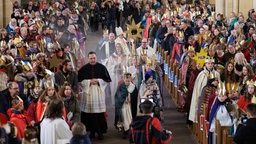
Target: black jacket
x=246 y=134
x=6 y=101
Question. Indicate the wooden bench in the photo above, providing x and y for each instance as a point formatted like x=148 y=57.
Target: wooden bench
x=219 y=131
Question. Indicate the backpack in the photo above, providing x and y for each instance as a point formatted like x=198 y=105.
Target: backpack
x=145 y=134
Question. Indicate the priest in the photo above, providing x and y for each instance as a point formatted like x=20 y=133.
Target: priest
x=93 y=107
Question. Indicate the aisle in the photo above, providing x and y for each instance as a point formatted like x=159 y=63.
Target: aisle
x=174 y=120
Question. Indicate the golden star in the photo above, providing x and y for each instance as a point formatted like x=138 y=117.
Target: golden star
x=200 y=57
x=54 y=62
x=134 y=31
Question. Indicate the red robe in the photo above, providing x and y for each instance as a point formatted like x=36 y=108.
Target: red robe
x=242 y=103
x=177 y=52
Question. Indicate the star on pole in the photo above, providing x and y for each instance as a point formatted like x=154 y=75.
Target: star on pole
x=134 y=31
x=200 y=57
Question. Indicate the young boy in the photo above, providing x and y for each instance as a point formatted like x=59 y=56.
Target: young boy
x=79 y=134
x=18 y=116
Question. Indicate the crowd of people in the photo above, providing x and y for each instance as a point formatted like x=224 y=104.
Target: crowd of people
x=50 y=94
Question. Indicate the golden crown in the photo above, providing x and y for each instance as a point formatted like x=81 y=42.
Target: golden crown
x=180 y=34
x=221 y=88
x=251 y=82
x=209 y=59
x=148 y=61
x=26 y=66
x=49 y=83
x=191 y=49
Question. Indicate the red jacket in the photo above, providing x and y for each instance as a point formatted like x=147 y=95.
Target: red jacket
x=242 y=103
x=20 y=121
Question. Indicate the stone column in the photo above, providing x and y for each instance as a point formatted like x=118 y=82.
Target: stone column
x=236 y=6
x=245 y=6
x=1 y=14
x=254 y=4
x=220 y=6
x=228 y=7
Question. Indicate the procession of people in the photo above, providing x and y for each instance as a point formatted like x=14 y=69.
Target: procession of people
x=52 y=84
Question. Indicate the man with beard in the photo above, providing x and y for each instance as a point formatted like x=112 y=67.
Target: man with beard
x=107 y=48
x=93 y=106
x=66 y=75
x=200 y=82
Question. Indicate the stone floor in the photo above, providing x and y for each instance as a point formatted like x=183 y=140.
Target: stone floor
x=174 y=120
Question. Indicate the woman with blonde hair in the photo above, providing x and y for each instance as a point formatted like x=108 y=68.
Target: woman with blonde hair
x=240 y=61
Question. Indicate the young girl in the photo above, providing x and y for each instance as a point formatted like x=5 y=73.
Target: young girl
x=219 y=112
x=245 y=99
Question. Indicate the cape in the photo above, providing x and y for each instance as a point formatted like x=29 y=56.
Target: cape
x=97 y=71
x=120 y=97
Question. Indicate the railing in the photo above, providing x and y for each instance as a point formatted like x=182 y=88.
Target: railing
x=200 y=130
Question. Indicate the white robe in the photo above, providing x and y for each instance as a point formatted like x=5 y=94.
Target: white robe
x=53 y=130
x=115 y=66
x=200 y=82
x=93 y=97
x=150 y=51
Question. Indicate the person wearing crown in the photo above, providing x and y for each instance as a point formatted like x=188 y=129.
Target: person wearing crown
x=147 y=67
x=219 y=111
x=126 y=97
x=178 y=48
x=38 y=106
x=3 y=74
x=26 y=80
x=115 y=65
x=207 y=73
x=7 y=95
x=248 y=97
x=150 y=90
x=21 y=50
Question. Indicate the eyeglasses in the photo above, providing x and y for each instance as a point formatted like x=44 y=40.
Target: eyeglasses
x=144 y=42
x=15 y=88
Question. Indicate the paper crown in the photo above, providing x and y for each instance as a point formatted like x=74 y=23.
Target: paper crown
x=3 y=44
x=33 y=57
x=26 y=66
x=105 y=31
x=180 y=34
x=221 y=88
x=253 y=100
x=209 y=59
x=220 y=66
x=148 y=61
x=49 y=83
x=191 y=49
x=251 y=82
x=127 y=75
x=37 y=84
x=16 y=41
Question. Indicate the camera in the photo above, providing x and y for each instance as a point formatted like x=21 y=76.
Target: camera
x=244 y=118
